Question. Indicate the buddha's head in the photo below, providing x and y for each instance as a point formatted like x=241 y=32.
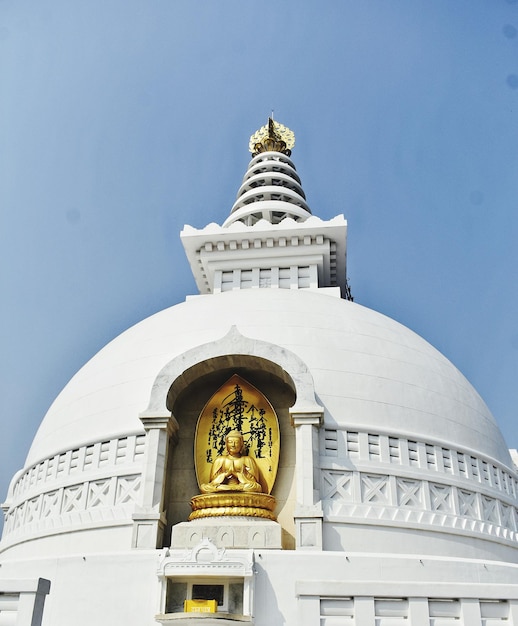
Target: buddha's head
x=234 y=443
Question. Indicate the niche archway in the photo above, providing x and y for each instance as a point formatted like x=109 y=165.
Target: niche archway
x=186 y=383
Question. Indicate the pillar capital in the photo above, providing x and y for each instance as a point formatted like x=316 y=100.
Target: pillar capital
x=159 y=421
x=310 y=417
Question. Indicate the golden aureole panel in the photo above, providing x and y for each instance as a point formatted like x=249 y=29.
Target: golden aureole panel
x=236 y=447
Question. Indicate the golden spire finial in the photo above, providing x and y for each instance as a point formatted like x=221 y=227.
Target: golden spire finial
x=272 y=137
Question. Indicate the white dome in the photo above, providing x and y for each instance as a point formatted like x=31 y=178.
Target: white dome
x=408 y=466
x=369 y=371
x=406 y=443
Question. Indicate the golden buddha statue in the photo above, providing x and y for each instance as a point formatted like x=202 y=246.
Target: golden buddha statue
x=234 y=471
x=236 y=478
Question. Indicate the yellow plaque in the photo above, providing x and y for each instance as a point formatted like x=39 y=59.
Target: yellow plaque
x=237 y=411
x=200 y=606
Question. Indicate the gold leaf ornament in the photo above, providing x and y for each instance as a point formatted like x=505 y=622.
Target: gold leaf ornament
x=238 y=405
x=270 y=133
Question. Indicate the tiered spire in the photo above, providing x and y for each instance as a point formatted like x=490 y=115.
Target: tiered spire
x=271 y=188
x=270 y=240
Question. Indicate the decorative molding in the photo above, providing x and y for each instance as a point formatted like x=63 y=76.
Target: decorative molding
x=203 y=561
x=66 y=466
x=358 y=497
x=473 y=604
x=48 y=496
x=116 y=496
x=409 y=492
x=360 y=449
x=205 y=558
x=234 y=347
x=293 y=242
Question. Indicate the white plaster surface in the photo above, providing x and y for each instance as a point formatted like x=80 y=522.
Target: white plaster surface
x=228 y=533
x=370 y=375
x=405 y=499
x=312 y=243
x=127 y=588
x=368 y=370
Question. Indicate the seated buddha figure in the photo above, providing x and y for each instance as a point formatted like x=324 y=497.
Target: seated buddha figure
x=233 y=471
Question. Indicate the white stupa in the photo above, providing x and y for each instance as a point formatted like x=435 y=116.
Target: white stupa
x=395 y=494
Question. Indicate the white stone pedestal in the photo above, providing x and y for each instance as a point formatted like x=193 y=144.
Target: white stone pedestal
x=228 y=532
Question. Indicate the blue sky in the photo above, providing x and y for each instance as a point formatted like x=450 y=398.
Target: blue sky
x=122 y=120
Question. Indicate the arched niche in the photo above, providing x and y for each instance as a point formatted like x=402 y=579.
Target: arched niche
x=186 y=383
x=180 y=371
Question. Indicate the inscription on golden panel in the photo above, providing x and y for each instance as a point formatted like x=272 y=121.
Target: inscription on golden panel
x=237 y=406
